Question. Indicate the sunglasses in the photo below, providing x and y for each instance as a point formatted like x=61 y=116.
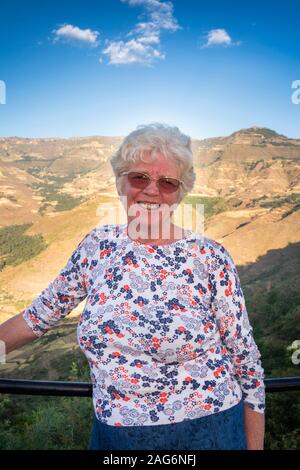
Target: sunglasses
x=165 y=184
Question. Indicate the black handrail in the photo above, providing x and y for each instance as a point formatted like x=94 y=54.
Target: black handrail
x=84 y=389
x=45 y=387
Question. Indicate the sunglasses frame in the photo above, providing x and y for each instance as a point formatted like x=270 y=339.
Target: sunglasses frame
x=154 y=179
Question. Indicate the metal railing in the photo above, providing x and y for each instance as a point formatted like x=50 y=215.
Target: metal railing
x=84 y=389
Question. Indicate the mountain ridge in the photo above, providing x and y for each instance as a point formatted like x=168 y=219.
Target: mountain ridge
x=249 y=185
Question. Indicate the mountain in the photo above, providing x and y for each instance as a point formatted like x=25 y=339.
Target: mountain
x=39 y=176
x=53 y=191
x=249 y=183
x=252 y=163
x=258 y=131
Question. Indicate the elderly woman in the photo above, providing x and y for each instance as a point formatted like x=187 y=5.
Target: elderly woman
x=165 y=329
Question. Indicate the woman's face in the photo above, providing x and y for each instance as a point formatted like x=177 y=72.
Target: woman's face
x=156 y=167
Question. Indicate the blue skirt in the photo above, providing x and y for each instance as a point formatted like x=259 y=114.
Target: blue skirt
x=219 y=431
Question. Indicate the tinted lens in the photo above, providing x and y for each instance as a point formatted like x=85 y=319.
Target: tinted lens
x=168 y=185
x=138 y=180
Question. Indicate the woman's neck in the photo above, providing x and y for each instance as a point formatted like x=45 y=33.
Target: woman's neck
x=148 y=234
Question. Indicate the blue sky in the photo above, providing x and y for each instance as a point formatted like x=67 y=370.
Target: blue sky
x=103 y=67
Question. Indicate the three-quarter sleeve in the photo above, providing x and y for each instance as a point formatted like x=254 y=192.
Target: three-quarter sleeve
x=228 y=305
x=62 y=295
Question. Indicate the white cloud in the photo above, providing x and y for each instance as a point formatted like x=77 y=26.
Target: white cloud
x=131 y=52
x=219 y=37
x=70 y=33
x=160 y=13
x=143 y=47
x=149 y=39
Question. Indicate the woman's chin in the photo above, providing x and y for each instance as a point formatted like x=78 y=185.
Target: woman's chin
x=151 y=231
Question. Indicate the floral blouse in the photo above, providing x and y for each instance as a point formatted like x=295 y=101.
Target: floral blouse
x=164 y=329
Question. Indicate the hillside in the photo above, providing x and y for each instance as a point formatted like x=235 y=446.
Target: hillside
x=274 y=309
x=271 y=289
x=249 y=183
x=53 y=191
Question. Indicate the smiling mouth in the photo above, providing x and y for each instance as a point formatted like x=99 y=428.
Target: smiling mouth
x=149 y=205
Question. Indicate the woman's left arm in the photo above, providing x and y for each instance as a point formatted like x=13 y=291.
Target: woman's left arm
x=254 y=428
x=236 y=333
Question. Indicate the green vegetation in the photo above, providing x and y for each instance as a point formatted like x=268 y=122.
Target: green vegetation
x=278 y=200
x=65 y=423
x=28 y=158
x=264 y=131
x=212 y=205
x=285 y=144
x=15 y=247
x=293 y=209
x=275 y=317
x=64 y=202
x=235 y=202
x=279 y=324
x=34 y=171
x=256 y=200
x=250 y=166
x=288 y=159
x=50 y=190
x=39 y=422
x=48 y=424
x=283 y=422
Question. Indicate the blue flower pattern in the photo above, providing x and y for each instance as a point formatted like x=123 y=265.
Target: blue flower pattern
x=164 y=329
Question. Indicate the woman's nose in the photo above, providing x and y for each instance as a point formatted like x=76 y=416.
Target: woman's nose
x=152 y=188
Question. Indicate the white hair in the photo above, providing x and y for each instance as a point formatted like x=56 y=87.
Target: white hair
x=153 y=139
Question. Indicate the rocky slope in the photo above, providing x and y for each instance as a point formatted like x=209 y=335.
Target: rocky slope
x=63 y=187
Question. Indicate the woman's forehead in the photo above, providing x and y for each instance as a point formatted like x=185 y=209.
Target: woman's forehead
x=160 y=165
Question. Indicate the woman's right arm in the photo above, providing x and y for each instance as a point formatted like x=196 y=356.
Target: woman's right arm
x=61 y=296
x=15 y=333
